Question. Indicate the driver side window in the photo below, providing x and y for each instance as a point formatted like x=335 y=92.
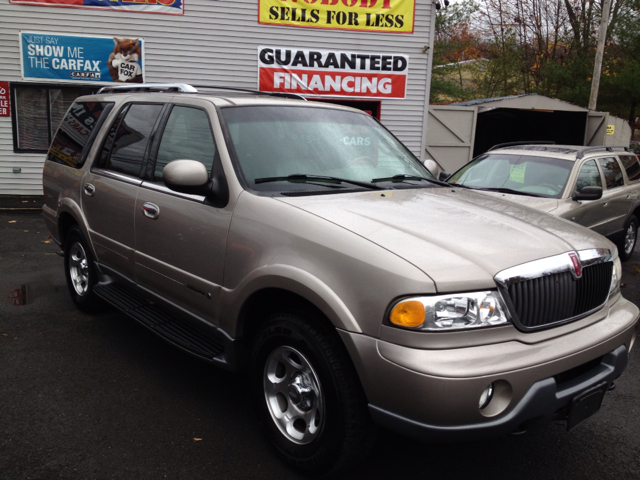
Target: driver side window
x=187 y=136
x=589 y=176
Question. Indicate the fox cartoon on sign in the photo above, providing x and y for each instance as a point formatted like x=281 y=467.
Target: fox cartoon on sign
x=123 y=62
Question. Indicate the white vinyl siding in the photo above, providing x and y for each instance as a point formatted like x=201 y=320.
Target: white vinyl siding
x=214 y=43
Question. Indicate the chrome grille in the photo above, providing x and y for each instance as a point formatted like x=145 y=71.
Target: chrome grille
x=553 y=298
x=558 y=289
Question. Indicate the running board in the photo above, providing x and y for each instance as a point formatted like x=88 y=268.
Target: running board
x=150 y=315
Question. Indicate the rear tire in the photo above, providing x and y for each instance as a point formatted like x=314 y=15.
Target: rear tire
x=627 y=243
x=308 y=396
x=80 y=271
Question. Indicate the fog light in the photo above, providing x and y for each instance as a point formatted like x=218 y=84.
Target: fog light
x=486 y=396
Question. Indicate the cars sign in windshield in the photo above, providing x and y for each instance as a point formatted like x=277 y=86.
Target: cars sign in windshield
x=282 y=146
x=520 y=174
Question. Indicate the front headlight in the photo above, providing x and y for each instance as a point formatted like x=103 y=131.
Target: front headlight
x=450 y=312
x=616 y=276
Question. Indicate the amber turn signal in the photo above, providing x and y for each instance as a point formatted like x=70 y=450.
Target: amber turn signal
x=408 y=314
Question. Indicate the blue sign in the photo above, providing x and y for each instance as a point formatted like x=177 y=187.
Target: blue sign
x=85 y=59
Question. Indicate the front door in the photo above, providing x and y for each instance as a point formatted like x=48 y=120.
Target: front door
x=180 y=241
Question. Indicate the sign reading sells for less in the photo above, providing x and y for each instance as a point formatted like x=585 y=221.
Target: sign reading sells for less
x=396 y=16
x=332 y=73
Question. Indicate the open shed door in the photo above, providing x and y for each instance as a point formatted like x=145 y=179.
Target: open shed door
x=596 y=128
x=450 y=135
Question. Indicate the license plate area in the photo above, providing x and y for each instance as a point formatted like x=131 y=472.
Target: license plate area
x=585 y=404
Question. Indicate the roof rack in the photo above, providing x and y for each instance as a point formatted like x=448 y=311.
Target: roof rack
x=149 y=87
x=609 y=148
x=296 y=96
x=531 y=142
x=185 y=88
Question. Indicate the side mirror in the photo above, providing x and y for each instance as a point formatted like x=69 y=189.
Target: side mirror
x=432 y=166
x=187 y=176
x=588 y=193
x=443 y=176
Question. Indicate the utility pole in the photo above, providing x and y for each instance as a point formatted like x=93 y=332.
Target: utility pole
x=597 y=67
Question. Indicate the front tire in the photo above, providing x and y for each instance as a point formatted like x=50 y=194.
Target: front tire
x=627 y=243
x=308 y=397
x=80 y=271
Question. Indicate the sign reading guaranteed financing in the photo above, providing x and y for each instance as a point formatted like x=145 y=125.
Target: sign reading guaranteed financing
x=66 y=57
x=374 y=15
x=332 y=73
x=171 y=7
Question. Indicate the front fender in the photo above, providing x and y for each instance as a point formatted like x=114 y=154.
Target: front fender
x=292 y=279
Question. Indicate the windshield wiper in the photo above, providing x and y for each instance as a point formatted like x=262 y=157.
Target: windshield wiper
x=301 y=177
x=403 y=176
x=508 y=190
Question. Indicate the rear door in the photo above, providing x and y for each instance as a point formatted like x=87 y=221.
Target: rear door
x=180 y=240
x=110 y=187
x=617 y=198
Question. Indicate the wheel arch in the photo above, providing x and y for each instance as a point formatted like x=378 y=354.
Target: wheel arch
x=282 y=287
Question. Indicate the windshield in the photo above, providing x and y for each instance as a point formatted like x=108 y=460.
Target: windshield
x=274 y=142
x=538 y=176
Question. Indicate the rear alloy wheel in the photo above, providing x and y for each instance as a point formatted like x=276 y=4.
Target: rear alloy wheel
x=308 y=397
x=628 y=243
x=80 y=271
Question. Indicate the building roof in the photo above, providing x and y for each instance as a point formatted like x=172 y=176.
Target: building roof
x=531 y=101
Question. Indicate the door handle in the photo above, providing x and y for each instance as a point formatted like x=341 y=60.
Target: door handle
x=89 y=189
x=151 y=210
x=605 y=204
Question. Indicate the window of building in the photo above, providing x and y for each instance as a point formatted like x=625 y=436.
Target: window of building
x=37 y=111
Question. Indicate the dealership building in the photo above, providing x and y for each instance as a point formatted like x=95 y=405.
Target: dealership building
x=371 y=54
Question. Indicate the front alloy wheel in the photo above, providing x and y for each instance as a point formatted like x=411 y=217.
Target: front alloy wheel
x=293 y=395
x=308 y=396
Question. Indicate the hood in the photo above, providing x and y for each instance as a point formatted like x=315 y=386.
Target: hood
x=458 y=237
x=543 y=204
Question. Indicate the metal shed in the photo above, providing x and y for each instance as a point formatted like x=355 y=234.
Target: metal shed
x=458 y=132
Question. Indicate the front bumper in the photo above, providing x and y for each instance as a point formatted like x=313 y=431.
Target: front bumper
x=546 y=400
x=433 y=394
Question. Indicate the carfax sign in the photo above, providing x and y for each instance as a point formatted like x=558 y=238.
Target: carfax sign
x=171 y=7
x=396 y=16
x=47 y=56
x=332 y=73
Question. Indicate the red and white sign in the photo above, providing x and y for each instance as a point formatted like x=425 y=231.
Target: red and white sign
x=332 y=73
x=5 y=103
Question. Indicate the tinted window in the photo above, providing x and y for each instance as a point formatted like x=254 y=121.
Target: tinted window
x=128 y=138
x=589 y=176
x=186 y=136
x=612 y=172
x=631 y=165
x=75 y=131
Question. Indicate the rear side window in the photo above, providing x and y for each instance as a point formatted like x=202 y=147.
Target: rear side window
x=186 y=136
x=76 y=133
x=612 y=172
x=127 y=141
x=631 y=165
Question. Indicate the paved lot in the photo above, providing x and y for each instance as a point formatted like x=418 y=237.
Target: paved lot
x=97 y=397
